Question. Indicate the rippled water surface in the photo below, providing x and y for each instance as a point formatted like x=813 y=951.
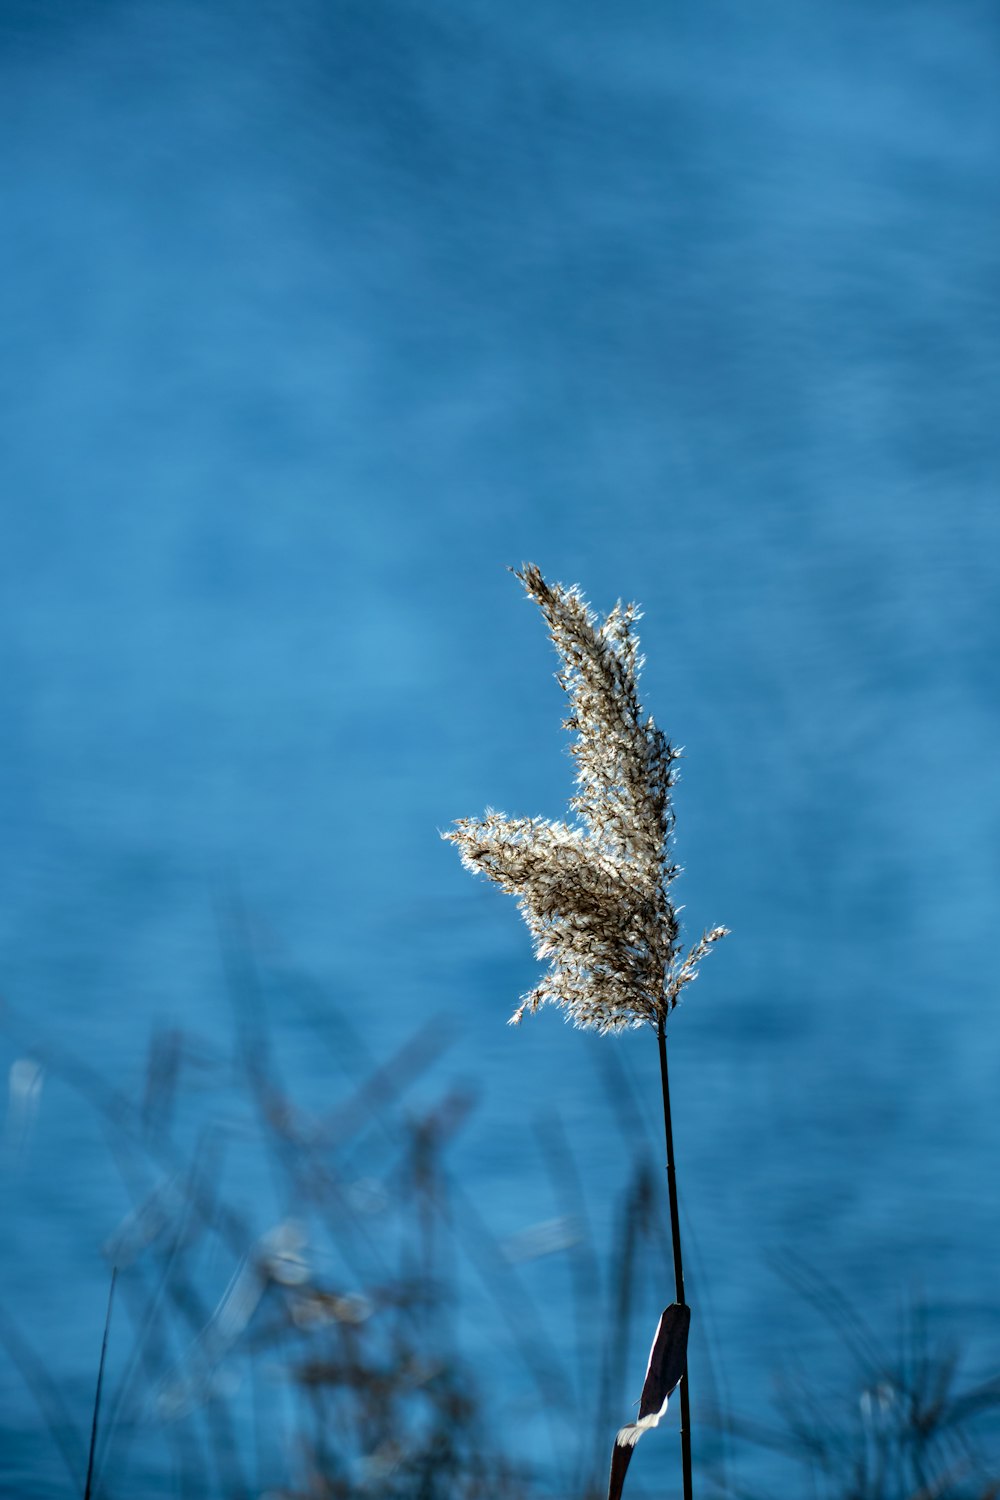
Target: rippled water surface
x=315 y=317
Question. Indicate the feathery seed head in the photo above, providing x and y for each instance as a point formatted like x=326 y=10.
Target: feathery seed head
x=596 y=896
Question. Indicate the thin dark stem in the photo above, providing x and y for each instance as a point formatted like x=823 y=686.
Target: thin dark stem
x=675 y=1232
x=100 y=1382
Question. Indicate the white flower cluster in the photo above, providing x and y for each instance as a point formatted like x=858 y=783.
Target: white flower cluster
x=596 y=896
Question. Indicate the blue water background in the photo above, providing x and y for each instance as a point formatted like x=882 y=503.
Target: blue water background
x=317 y=316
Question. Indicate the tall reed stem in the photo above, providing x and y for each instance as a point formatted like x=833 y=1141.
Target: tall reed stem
x=88 y=1488
x=675 y=1233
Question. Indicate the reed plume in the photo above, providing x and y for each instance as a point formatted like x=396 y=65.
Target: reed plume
x=596 y=892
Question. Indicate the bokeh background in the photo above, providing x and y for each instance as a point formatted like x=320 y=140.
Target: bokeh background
x=316 y=317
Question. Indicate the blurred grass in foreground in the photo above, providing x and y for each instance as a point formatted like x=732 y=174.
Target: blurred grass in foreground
x=312 y=1344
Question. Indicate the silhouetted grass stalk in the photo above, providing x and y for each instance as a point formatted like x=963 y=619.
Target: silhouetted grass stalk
x=88 y=1487
x=675 y=1236
x=595 y=894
